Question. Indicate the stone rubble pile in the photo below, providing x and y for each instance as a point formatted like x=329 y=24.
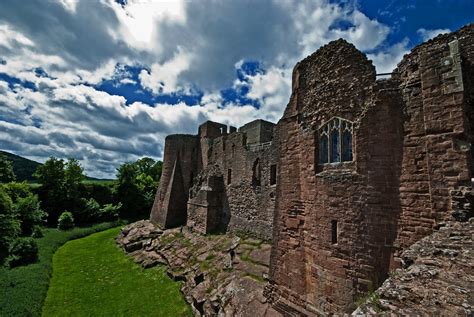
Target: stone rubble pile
x=436 y=278
x=223 y=275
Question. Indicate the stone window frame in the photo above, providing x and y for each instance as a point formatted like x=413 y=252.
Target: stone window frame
x=273 y=174
x=341 y=126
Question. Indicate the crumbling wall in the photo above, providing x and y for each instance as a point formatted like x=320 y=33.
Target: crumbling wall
x=436 y=146
x=249 y=199
x=311 y=272
x=339 y=227
x=180 y=165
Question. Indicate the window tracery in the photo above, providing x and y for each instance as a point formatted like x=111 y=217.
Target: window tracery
x=335 y=141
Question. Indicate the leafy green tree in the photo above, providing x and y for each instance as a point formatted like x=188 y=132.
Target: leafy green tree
x=6 y=170
x=136 y=186
x=73 y=177
x=17 y=190
x=9 y=224
x=51 y=173
x=60 y=186
x=30 y=214
x=52 y=192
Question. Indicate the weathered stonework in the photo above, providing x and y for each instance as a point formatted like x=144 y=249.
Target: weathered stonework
x=228 y=175
x=340 y=227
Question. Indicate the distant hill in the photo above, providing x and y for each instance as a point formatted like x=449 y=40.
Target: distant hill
x=24 y=168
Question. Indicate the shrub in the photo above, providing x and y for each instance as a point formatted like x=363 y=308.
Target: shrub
x=17 y=190
x=89 y=213
x=23 y=251
x=110 y=212
x=66 y=221
x=37 y=232
x=30 y=214
x=9 y=224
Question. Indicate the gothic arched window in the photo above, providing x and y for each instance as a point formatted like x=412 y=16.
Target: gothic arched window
x=335 y=141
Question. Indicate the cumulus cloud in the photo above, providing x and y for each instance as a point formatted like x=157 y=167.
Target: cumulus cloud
x=387 y=60
x=428 y=34
x=55 y=55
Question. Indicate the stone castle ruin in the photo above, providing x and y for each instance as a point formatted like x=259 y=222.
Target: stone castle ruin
x=356 y=170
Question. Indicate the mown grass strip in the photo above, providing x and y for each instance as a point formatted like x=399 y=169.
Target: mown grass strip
x=23 y=289
x=93 y=277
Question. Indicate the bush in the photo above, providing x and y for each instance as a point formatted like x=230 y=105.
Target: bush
x=9 y=224
x=89 y=213
x=23 y=251
x=37 y=232
x=17 y=190
x=66 y=221
x=30 y=214
x=110 y=212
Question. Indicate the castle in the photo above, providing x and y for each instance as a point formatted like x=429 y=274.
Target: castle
x=356 y=170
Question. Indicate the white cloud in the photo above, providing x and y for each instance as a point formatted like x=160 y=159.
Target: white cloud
x=163 y=78
x=182 y=46
x=386 y=61
x=427 y=34
x=9 y=36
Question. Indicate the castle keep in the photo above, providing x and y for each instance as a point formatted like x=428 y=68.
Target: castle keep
x=356 y=170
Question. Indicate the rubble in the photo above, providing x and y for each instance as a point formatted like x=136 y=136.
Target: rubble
x=223 y=275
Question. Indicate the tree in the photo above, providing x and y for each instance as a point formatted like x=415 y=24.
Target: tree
x=136 y=186
x=52 y=192
x=6 y=170
x=29 y=213
x=73 y=176
x=51 y=173
x=9 y=224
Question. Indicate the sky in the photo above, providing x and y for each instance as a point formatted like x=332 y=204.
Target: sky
x=104 y=81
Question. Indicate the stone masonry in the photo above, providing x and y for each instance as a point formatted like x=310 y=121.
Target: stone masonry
x=356 y=171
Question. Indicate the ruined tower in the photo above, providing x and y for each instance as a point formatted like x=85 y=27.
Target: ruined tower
x=371 y=167
x=356 y=170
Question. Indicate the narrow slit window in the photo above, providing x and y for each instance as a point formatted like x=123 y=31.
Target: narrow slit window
x=273 y=174
x=229 y=176
x=333 y=231
x=256 y=173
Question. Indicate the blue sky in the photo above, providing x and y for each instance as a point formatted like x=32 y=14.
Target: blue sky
x=105 y=81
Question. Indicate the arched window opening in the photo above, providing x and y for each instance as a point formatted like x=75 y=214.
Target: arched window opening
x=256 y=173
x=335 y=141
x=335 y=146
x=346 y=146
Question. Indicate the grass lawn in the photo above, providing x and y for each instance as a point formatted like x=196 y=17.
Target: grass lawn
x=23 y=289
x=93 y=277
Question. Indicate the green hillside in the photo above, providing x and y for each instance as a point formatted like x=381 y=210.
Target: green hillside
x=22 y=167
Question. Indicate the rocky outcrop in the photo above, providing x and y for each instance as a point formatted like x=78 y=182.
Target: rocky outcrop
x=436 y=278
x=222 y=275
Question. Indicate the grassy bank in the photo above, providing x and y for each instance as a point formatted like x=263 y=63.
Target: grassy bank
x=23 y=289
x=93 y=277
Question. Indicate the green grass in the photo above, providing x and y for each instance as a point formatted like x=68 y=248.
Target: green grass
x=93 y=277
x=23 y=289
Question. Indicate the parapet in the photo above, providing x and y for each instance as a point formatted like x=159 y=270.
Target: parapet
x=258 y=131
x=210 y=129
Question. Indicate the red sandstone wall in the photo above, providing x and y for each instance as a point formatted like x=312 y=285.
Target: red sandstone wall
x=169 y=208
x=409 y=153
x=436 y=154
x=248 y=206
